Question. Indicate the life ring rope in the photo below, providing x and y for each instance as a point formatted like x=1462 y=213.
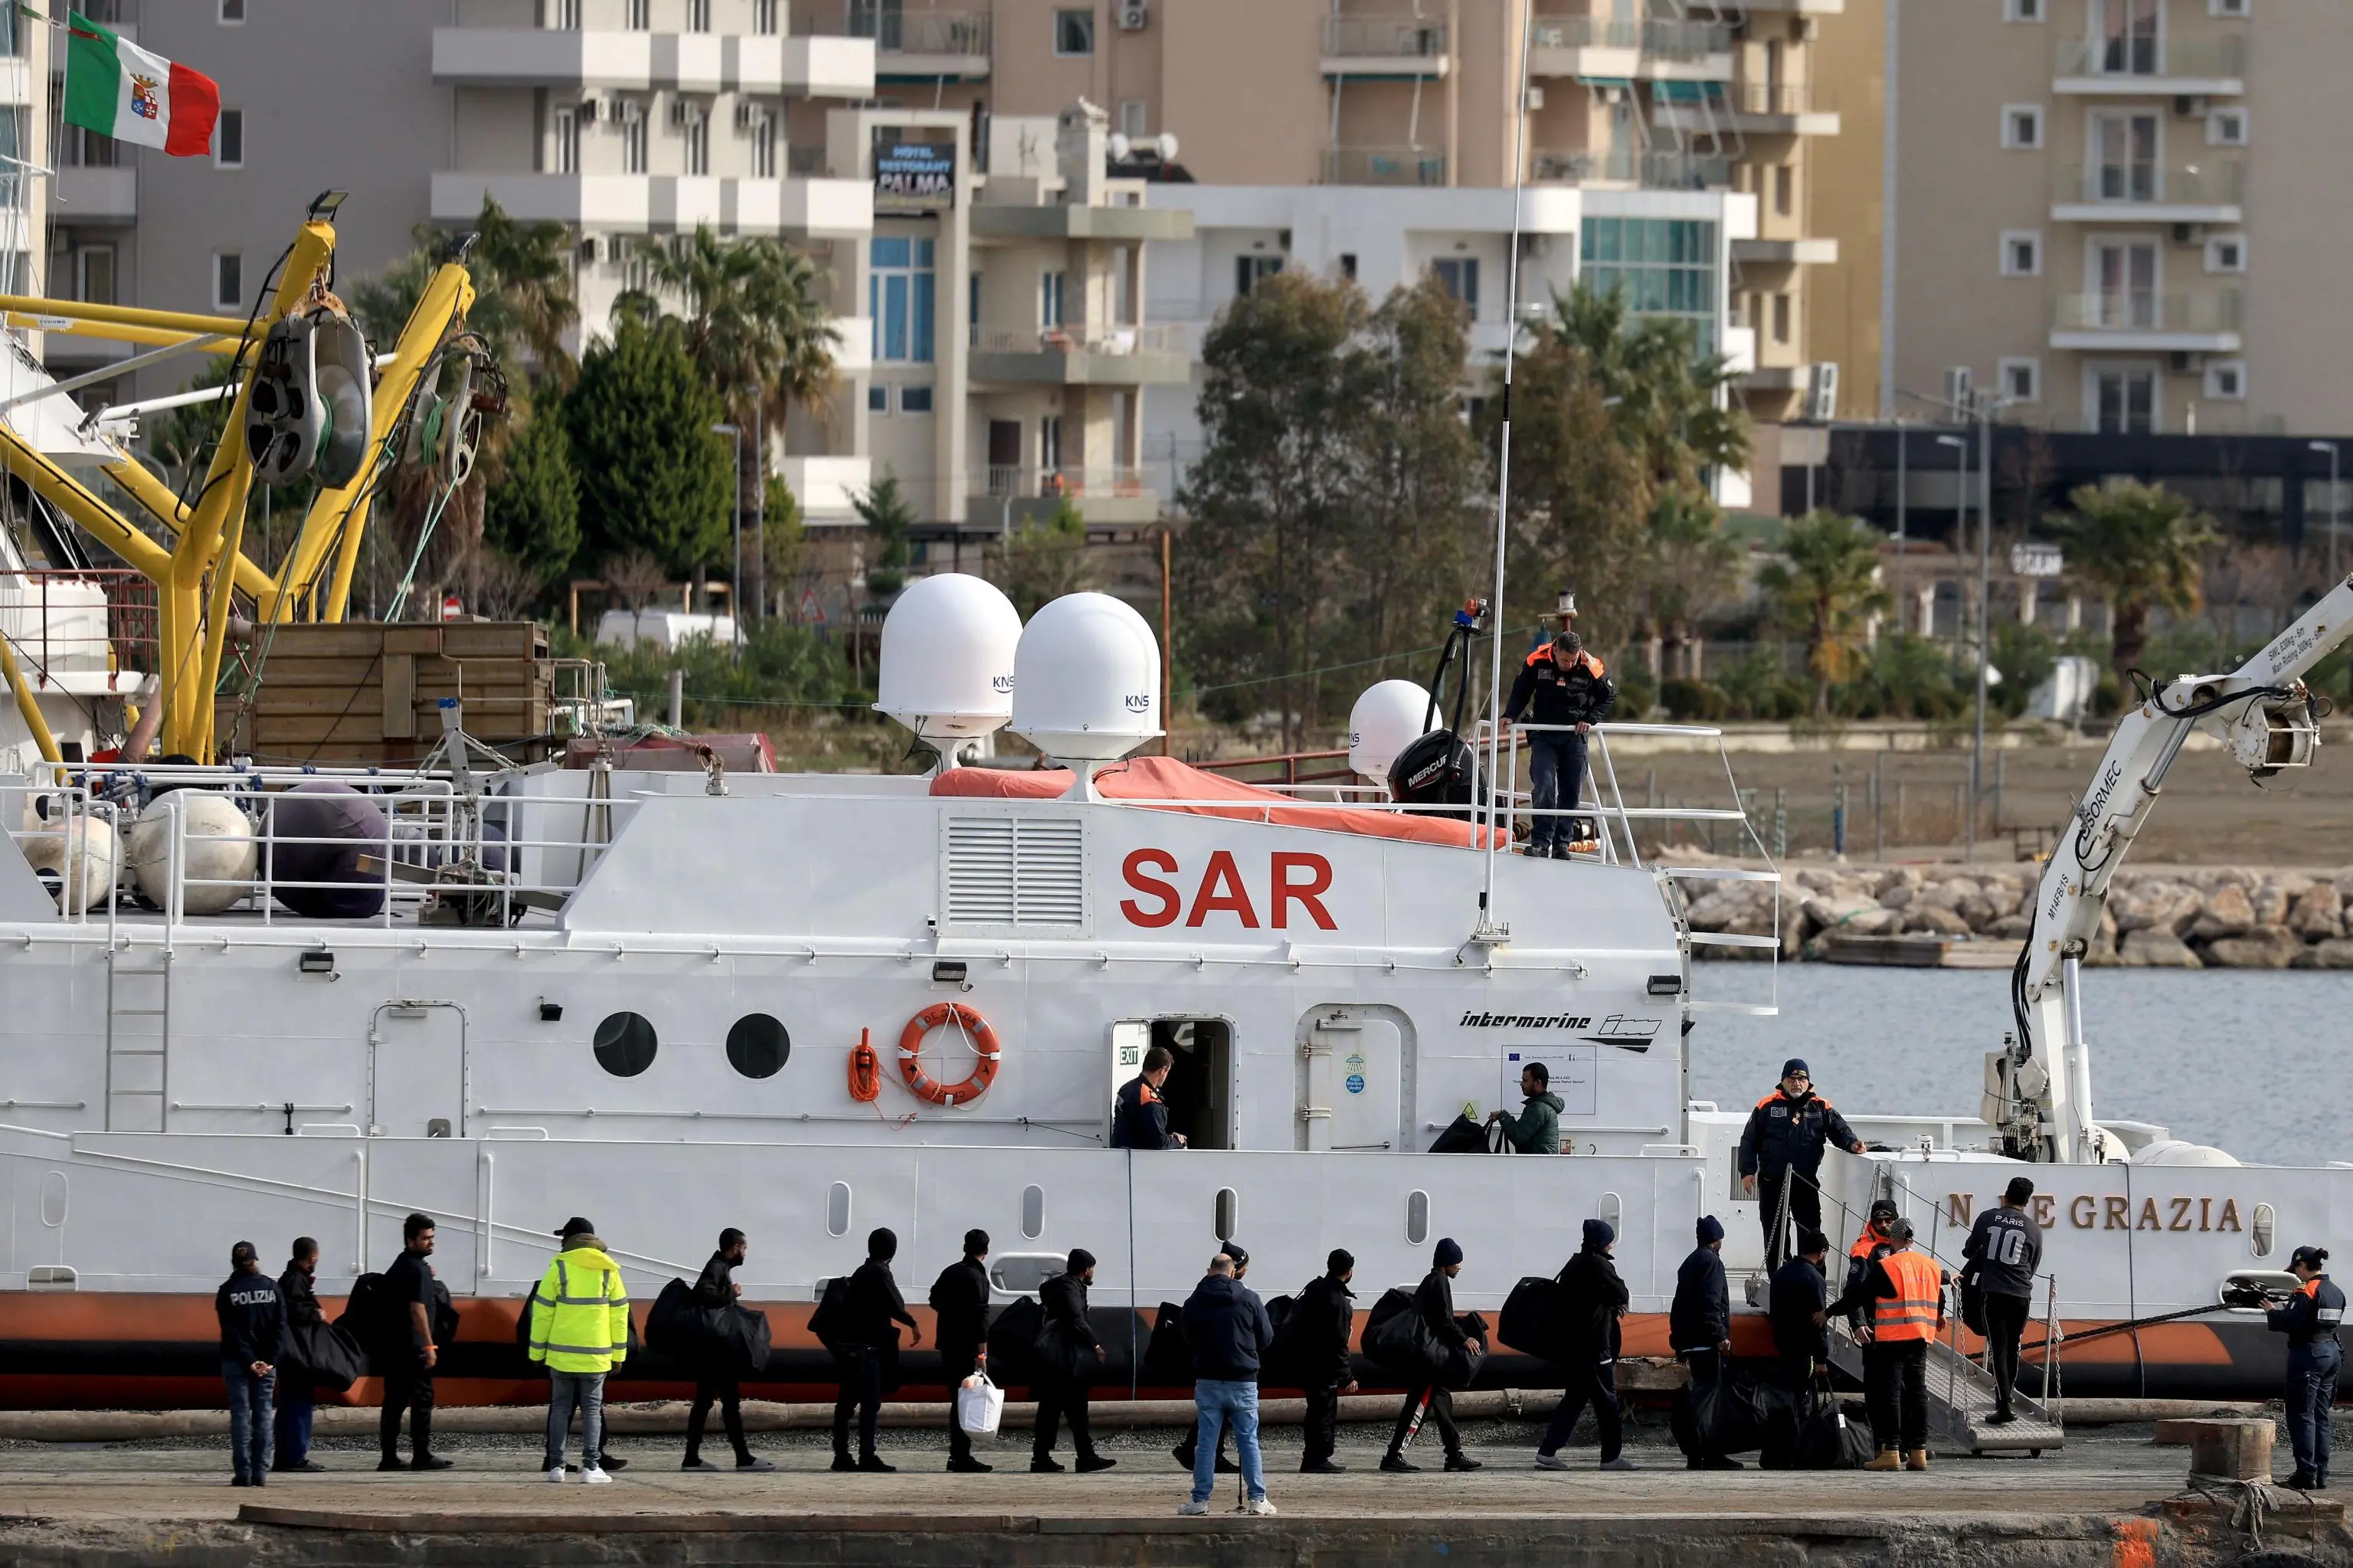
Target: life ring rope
x=977 y=1032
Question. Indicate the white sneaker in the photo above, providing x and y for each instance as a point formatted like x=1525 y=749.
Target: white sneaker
x=1620 y=1463
x=1551 y=1462
x=1259 y=1506
x=556 y=1474
x=595 y=1477
x=1191 y=1508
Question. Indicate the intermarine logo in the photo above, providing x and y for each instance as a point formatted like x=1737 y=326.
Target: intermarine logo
x=1525 y=1021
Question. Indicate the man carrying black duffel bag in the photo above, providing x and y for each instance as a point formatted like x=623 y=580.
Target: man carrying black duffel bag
x=295 y=1402
x=1433 y=1303
x=716 y=1380
x=1592 y=1298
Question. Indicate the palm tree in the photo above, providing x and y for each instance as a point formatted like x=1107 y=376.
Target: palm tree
x=522 y=288
x=1828 y=582
x=1669 y=401
x=2140 y=547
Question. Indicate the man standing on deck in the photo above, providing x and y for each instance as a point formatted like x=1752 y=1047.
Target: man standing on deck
x=1536 y=1129
x=1560 y=683
x=408 y=1382
x=2005 y=1248
x=252 y=1332
x=960 y=1325
x=295 y=1404
x=718 y=1383
x=1782 y=1146
x=1140 y=1119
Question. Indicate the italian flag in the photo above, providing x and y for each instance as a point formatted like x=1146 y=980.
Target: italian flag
x=119 y=89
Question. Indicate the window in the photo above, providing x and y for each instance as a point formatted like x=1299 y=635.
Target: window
x=232 y=13
x=764 y=148
x=2124 y=284
x=2125 y=152
x=2226 y=128
x=2226 y=7
x=697 y=15
x=2020 y=380
x=698 y=146
x=1050 y=299
x=2226 y=380
x=2126 y=32
x=1785 y=188
x=1049 y=442
x=228 y=140
x=1074 y=32
x=1665 y=267
x=633 y=136
x=637 y=15
x=1135 y=118
x=764 y=16
x=915 y=399
x=1780 y=318
x=2226 y=253
x=626 y=1044
x=2022 y=127
x=1348 y=265
x=1459 y=276
x=878 y=399
x=2022 y=253
x=228 y=280
x=567 y=141
x=899 y=298
x=564 y=15
x=1249 y=269
x=758 y=1045
x=2124 y=401
x=94 y=274
x=2022 y=10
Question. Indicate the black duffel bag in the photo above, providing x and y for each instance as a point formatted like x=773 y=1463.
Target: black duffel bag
x=1531 y=1320
x=1013 y=1341
x=1829 y=1440
x=322 y=1354
x=1463 y=1135
x=1167 y=1358
x=1456 y=1366
x=732 y=1340
x=1277 y=1365
x=1724 y=1417
x=1394 y=1336
x=1973 y=1294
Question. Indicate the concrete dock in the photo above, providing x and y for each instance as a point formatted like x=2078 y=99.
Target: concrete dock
x=2113 y=1499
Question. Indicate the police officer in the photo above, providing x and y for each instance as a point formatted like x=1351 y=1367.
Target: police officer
x=1560 y=683
x=2005 y=1248
x=1141 y=1119
x=252 y=1332
x=1784 y=1138
x=2310 y=1320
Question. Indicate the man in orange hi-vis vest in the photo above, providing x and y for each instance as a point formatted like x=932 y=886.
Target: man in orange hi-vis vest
x=1904 y=1293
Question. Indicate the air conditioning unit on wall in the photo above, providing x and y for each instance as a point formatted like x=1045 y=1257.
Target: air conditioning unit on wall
x=596 y=248
x=685 y=111
x=750 y=116
x=1133 y=15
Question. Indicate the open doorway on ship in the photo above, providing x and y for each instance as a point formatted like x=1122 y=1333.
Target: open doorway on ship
x=1199 y=1090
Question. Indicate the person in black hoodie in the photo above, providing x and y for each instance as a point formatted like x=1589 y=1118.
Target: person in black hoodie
x=717 y=1383
x=1327 y=1313
x=1061 y=1395
x=868 y=1346
x=294 y=1397
x=1699 y=1321
x=252 y=1334
x=1800 y=1313
x=1592 y=1300
x=1433 y=1300
x=960 y=1326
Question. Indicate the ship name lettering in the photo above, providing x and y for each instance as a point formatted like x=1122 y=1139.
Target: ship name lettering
x=1292 y=878
x=2180 y=1215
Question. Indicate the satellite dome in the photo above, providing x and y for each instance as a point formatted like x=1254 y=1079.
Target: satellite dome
x=1086 y=679
x=1386 y=719
x=947 y=658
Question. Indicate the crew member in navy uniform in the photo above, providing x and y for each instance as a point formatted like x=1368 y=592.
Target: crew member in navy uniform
x=1560 y=683
x=2310 y=1320
x=2005 y=1248
x=1141 y=1120
x=1784 y=1138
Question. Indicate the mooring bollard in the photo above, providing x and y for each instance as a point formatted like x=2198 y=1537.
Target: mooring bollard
x=2229 y=1450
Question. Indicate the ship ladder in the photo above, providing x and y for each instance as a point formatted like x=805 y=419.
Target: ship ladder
x=138 y=1037
x=1961 y=1396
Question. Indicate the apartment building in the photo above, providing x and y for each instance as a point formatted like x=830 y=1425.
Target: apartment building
x=2102 y=224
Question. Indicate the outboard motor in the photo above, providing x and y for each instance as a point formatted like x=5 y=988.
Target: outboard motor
x=1439 y=768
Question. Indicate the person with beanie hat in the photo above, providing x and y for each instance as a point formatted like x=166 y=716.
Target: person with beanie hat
x=960 y=1327
x=1062 y=1394
x=1592 y=1300
x=1800 y=1313
x=867 y=1351
x=1327 y=1316
x=1699 y=1321
x=1782 y=1147
x=1434 y=1300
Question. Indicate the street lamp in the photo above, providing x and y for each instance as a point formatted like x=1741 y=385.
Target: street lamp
x=735 y=575
x=2330 y=448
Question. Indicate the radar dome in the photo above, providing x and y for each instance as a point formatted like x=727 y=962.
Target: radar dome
x=947 y=658
x=1086 y=679
x=1386 y=720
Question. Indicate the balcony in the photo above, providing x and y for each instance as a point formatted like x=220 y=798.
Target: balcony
x=642 y=204
x=1593 y=48
x=88 y=195
x=1797 y=7
x=1400 y=47
x=1384 y=166
x=1750 y=108
x=2147 y=66
x=1110 y=496
x=1686 y=52
x=2208 y=191
x=1081 y=356
x=1817 y=250
x=824 y=486
x=686 y=62
x=926 y=47
x=1631 y=166
x=1010 y=220
x=2131 y=321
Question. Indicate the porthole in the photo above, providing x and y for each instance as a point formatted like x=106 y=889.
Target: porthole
x=2262 y=1233
x=1416 y=1218
x=758 y=1045
x=1224 y=1216
x=626 y=1044
x=837 y=1209
x=1033 y=1213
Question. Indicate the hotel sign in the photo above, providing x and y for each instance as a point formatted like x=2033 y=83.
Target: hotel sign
x=913 y=177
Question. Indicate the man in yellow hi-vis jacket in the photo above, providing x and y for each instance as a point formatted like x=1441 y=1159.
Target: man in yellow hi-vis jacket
x=580 y=1328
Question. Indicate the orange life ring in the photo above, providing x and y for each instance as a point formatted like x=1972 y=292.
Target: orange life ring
x=911 y=1044
x=865 y=1071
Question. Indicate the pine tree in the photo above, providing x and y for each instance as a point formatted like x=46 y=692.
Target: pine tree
x=533 y=516
x=652 y=476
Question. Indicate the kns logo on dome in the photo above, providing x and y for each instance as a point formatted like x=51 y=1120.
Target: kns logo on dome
x=1139 y=702
x=1000 y=682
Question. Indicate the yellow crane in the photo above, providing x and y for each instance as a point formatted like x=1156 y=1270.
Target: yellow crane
x=199 y=576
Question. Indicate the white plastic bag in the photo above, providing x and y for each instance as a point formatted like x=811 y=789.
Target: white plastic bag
x=979 y=1405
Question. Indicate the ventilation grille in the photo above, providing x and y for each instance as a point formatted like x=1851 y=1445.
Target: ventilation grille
x=1016 y=871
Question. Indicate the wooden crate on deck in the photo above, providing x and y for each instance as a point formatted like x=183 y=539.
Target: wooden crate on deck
x=366 y=694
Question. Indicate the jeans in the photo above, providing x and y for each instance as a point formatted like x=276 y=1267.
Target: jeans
x=1896 y=1388
x=293 y=1423
x=2312 y=1372
x=1804 y=1212
x=1597 y=1385
x=861 y=1371
x=728 y=1393
x=1221 y=1402
x=567 y=1392
x=249 y=1420
x=2005 y=1325
x=1555 y=781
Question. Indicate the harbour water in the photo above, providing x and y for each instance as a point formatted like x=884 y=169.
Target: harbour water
x=2251 y=1061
